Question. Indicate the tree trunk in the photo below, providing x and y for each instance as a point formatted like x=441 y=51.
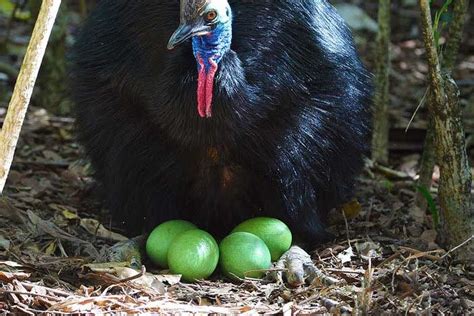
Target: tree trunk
x=457 y=215
x=448 y=62
x=455 y=32
x=381 y=100
x=24 y=87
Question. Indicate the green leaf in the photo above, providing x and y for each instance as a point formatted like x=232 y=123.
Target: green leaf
x=443 y=16
x=431 y=204
x=6 y=7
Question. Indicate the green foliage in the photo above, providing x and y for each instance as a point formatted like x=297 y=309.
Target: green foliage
x=51 y=92
x=389 y=185
x=7 y=8
x=441 y=20
x=431 y=204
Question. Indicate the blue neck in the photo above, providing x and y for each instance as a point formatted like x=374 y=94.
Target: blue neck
x=214 y=45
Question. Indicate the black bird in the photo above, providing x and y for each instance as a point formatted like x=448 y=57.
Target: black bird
x=221 y=111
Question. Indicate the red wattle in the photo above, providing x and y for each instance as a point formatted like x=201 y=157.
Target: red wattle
x=210 y=86
x=201 y=88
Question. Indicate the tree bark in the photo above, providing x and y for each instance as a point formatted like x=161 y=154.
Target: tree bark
x=455 y=33
x=457 y=215
x=448 y=62
x=382 y=83
x=24 y=87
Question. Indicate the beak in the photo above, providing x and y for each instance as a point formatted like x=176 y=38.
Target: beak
x=185 y=32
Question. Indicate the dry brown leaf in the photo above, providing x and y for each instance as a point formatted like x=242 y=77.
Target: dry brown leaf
x=352 y=209
x=51 y=248
x=51 y=155
x=95 y=228
x=105 y=267
x=170 y=279
x=10 y=276
x=69 y=215
x=140 y=279
x=43 y=227
x=10 y=264
x=8 y=210
x=429 y=236
x=4 y=243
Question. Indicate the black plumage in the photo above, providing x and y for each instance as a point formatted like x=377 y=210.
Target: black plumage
x=290 y=117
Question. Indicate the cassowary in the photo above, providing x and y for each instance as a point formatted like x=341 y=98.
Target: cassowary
x=217 y=111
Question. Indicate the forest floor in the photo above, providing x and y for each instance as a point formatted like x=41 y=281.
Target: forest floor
x=384 y=260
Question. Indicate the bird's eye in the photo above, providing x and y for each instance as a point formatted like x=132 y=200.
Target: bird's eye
x=211 y=16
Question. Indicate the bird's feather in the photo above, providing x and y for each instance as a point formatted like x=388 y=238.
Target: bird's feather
x=290 y=118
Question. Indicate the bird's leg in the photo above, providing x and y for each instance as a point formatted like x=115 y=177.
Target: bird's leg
x=296 y=267
x=299 y=202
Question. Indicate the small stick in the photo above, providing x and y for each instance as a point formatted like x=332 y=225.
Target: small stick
x=458 y=246
x=134 y=277
x=24 y=87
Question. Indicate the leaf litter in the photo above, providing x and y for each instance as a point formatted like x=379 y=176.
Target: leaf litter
x=53 y=234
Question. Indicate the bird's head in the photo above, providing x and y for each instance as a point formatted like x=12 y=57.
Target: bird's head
x=209 y=24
